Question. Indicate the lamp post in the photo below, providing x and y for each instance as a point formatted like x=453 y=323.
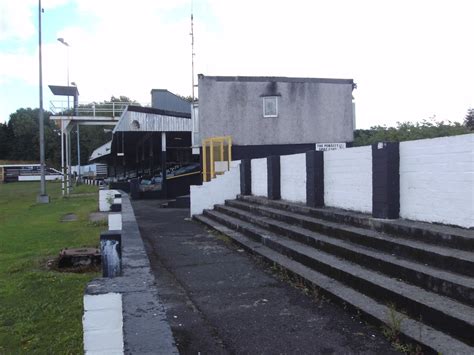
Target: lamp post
x=42 y=197
x=63 y=41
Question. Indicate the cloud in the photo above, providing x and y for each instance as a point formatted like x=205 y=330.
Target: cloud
x=411 y=60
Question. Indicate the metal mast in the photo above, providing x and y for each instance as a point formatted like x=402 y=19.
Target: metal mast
x=192 y=53
x=42 y=198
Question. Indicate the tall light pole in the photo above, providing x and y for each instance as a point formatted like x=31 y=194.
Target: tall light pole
x=42 y=197
x=61 y=40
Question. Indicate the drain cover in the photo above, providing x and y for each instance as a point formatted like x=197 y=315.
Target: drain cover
x=79 y=257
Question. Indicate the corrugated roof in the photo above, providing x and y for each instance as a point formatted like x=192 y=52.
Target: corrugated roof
x=140 y=119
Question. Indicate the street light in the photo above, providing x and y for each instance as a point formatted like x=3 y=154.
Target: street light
x=61 y=40
x=42 y=197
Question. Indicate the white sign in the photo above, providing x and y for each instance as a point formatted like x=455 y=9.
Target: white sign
x=330 y=146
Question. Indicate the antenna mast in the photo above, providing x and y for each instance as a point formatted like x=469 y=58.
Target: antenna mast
x=192 y=53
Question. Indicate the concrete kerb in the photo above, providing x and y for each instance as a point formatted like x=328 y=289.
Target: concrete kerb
x=145 y=328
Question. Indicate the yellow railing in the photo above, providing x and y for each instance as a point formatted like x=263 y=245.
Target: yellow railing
x=215 y=149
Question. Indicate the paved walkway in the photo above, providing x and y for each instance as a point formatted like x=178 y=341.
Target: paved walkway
x=221 y=300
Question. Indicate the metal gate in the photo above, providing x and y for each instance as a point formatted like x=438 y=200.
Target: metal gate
x=216 y=156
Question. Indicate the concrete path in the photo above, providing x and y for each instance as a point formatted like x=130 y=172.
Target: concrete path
x=218 y=299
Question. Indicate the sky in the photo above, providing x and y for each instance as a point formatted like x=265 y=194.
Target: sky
x=411 y=59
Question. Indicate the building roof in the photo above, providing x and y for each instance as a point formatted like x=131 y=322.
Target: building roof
x=64 y=90
x=147 y=119
x=278 y=79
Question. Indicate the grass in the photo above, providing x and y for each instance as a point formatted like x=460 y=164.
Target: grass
x=40 y=309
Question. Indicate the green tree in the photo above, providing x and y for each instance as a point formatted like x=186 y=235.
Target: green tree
x=469 y=119
x=405 y=131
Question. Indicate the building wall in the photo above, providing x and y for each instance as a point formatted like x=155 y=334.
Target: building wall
x=259 y=177
x=293 y=177
x=437 y=180
x=165 y=100
x=348 y=179
x=308 y=111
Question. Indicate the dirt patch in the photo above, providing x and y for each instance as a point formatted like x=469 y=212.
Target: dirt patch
x=53 y=265
x=69 y=217
x=98 y=216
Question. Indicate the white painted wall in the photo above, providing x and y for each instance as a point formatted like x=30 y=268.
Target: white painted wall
x=259 y=177
x=223 y=187
x=115 y=221
x=437 y=180
x=103 y=323
x=348 y=179
x=293 y=177
x=105 y=197
x=38 y=178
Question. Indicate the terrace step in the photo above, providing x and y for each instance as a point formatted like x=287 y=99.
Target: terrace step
x=452 y=237
x=454 y=260
x=446 y=283
x=430 y=339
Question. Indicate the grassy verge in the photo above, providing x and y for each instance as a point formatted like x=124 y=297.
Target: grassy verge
x=40 y=309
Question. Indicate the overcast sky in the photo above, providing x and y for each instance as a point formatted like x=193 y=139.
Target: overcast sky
x=411 y=59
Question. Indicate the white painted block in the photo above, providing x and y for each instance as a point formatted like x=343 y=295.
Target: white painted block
x=293 y=177
x=223 y=187
x=348 y=179
x=437 y=180
x=259 y=177
x=106 y=301
x=115 y=221
x=106 y=198
x=103 y=324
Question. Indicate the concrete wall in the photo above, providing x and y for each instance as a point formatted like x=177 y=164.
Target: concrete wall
x=437 y=180
x=293 y=177
x=38 y=177
x=223 y=187
x=259 y=177
x=309 y=110
x=348 y=179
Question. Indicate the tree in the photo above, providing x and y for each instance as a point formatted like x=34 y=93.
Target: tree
x=469 y=120
x=405 y=131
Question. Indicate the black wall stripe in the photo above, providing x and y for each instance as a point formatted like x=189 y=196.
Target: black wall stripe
x=315 y=178
x=273 y=176
x=386 y=180
x=245 y=177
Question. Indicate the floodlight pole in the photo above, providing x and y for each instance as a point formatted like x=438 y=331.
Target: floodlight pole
x=42 y=197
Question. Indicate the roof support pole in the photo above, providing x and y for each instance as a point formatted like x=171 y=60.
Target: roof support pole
x=63 y=171
x=163 y=163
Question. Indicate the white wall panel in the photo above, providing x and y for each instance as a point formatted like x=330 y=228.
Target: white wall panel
x=293 y=177
x=437 y=180
x=348 y=179
x=259 y=177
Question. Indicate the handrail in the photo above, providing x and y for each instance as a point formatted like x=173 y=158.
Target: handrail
x=221 y=141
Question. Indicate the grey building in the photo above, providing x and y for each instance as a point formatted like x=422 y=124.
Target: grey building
x=165 y=100
x=275 y=115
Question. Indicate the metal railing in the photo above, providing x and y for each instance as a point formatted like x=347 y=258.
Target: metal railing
x=108 y=109
x=216 y=149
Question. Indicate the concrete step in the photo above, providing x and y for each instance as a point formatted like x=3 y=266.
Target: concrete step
x=452 y=237
x=454 y=260
x=446 y=283
x=441 y=312
x=411 y=330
